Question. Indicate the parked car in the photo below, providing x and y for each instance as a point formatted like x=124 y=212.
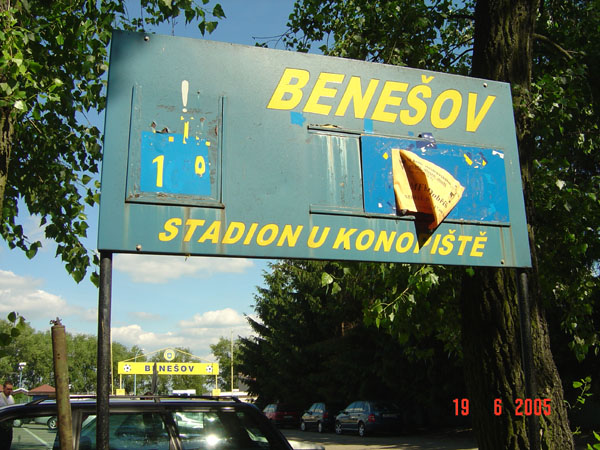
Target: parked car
x=365 y=417
x=49 y=421
x=158 y=423
x=282 y=414
x=320 y=416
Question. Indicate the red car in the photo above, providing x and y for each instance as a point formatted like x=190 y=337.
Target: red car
x=282 y=414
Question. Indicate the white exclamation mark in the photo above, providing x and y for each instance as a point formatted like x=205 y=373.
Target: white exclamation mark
x=185 y=87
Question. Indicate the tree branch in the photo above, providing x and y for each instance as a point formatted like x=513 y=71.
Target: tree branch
x=547 y=40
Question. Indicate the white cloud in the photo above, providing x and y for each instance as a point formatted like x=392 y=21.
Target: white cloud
x=23 y=295
x=197 y=334
x=215 y=319
x=26 y=296
x=134 y=335
x=161 y=269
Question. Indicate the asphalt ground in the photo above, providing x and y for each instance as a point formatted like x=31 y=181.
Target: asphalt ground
x=440 y=440
x=454 y=439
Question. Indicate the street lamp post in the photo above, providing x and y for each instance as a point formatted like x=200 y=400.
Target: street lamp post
x=21 y=367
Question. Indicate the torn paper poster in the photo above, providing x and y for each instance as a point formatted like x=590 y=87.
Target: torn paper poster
x=423 y=187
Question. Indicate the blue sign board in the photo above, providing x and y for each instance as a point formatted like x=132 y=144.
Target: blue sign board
x=227 y=150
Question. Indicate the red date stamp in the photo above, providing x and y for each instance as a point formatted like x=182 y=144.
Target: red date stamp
x=521 y=407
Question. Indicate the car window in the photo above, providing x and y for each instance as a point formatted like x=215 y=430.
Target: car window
x=139 y=430
x=31 y=433
x=255 y=433
x=223 y=430
x=199 y=429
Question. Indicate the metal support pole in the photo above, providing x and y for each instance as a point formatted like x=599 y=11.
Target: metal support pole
x=104 y=369
x=527 y=356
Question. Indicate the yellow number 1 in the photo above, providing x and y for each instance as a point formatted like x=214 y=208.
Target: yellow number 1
x=159 y=160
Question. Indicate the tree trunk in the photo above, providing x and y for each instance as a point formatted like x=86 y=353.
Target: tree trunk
x=6 y=133
x=6 y=136
x=490 y=310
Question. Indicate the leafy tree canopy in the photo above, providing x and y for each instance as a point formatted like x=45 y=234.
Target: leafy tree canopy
x=312 y=344
x=35 y=349
x=552 y=71
x=565 y=165
x=222 y=351
x=16 y=324
x=53 y=57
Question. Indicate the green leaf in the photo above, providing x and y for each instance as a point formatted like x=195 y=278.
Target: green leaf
x=4 y=339
x=326 y=279
x=218 y=11
x=335 y=288
x=211 y=26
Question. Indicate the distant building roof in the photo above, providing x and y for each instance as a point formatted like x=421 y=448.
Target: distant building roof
x=44 y=389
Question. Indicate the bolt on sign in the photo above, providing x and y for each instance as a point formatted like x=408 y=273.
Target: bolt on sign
x=227 y=150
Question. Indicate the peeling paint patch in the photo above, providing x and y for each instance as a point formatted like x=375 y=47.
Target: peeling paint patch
x=297 y=118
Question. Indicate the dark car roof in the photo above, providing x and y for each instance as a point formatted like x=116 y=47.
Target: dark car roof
x=122 y=403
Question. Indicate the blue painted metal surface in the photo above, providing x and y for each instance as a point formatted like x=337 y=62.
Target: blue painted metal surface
x=227 y=150
x=174 y=165
x=479 y=170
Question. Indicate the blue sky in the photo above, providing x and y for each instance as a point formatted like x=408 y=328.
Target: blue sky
x=157 y=301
